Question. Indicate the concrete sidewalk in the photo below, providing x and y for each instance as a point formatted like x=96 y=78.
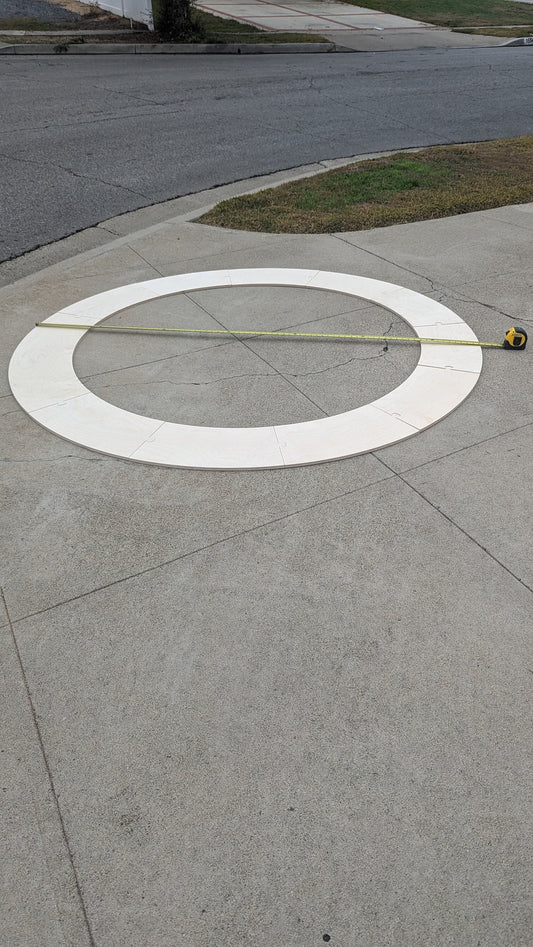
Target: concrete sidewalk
x=353 y=27
x=273 y=707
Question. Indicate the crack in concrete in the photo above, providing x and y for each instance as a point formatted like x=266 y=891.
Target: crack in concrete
x=193 y=384
x=464 y=297
x=216 y=381
x=330 y=368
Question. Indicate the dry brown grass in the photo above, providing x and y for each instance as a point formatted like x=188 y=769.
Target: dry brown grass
x=400 y=188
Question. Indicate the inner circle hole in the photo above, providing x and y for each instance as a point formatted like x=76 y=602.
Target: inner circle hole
x=223 y=381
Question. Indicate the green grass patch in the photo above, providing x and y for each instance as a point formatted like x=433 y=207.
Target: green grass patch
x=216 y=30
x=456 y=13
x=400 y=188
x=511 y=32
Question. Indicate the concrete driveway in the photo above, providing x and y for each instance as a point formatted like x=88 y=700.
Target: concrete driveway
x=282 y=706
x=307 y=15
x=351 y=26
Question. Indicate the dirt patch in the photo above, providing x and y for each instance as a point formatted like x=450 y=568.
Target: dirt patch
x=73 y=6
x=67 y=14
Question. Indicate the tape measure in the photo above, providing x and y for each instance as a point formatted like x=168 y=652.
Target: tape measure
x=515 y=338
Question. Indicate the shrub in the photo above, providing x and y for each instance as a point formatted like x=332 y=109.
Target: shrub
x=173 y=20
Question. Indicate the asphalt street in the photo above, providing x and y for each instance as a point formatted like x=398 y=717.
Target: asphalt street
x=86 y=139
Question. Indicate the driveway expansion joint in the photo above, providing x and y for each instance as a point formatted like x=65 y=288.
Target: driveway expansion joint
x=460 y=450
x=201 y=549
x=456 y=525
x=50 y=779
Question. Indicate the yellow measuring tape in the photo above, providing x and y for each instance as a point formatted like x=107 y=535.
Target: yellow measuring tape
x=271 y=333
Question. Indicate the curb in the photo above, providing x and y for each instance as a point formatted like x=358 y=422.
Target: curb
x=521 y=41
x=173 y=49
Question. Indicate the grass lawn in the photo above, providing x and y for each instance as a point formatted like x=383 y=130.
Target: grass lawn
x=510 y=32
x=210 y=29
x=216 y=30
x=456 y=13
x=400 y=188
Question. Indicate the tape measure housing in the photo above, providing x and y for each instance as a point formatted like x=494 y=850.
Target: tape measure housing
x=515 y=338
